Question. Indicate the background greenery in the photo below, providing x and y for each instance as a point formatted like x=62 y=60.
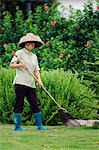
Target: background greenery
x=65 y=87
x=70 y=57
x=69 y=42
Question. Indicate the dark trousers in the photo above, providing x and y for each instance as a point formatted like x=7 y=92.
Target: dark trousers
x=21 y=92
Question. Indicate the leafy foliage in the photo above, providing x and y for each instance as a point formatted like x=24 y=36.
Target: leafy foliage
x=63 y=86
x=70 y=43
x=66 y=39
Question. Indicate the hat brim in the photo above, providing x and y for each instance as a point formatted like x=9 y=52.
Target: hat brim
x=37 y=44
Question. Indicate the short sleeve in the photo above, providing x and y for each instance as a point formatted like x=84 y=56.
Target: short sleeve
x=15 y=59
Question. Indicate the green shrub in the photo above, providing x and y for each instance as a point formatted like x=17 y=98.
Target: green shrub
x=6 y=94
x=63 y=86
x=67 y=38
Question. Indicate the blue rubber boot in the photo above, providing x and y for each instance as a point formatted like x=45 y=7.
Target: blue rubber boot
x=17 y=121
x=38 y=121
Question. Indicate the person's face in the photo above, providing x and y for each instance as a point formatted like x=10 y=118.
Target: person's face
x=30 y=46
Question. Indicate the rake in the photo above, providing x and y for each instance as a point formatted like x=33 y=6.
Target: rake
x=65 y=116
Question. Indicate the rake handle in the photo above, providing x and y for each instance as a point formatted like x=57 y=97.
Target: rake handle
x=38 y=81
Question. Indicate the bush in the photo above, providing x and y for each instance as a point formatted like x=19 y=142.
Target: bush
x=72 y=41
x=63 y=86
x=6 y=94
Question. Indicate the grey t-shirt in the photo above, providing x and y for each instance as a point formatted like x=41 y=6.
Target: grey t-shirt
x=22 y=76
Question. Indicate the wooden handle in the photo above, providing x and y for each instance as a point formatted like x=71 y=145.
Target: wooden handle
x=38 y=81
x=52 y=97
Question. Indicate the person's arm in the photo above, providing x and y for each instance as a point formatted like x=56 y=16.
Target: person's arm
x=15 y=65
x=37 y=75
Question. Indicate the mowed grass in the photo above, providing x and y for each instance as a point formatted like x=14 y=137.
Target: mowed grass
x=56 y=138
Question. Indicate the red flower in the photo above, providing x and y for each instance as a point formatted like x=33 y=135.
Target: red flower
x=88 y=43
x=61 y=55
x=97 y=8
x=53 y=23
x=69 y=55
x=46 y=7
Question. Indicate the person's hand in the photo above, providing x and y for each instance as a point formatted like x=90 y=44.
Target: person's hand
x=23 y=65
x=40 y=84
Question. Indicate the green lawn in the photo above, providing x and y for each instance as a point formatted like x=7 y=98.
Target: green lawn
x=56 y=138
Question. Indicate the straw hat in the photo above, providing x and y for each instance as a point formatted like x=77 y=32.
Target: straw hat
x=30 y=37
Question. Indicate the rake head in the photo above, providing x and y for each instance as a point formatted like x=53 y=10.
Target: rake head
x=67 y=119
